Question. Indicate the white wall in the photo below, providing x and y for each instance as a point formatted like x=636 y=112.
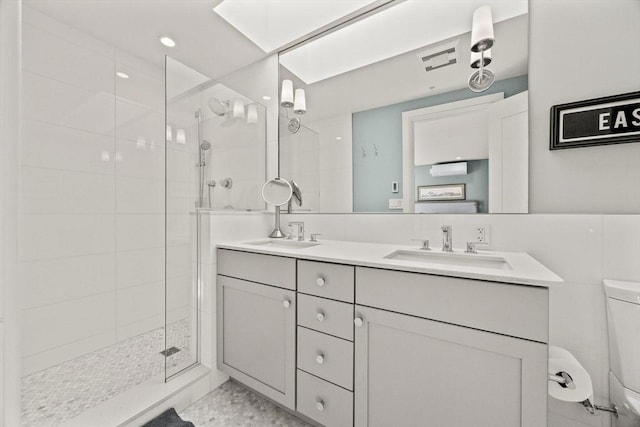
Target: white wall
x=581 y=50
x=10 y=61
x=92 y=208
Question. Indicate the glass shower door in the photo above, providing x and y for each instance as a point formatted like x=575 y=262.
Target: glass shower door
x=182 y=224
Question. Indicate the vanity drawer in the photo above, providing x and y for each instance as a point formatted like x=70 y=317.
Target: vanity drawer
x=324 y=402
x=268 y=269
x=333 y=281
x=325 y=356
x=328 y=316
x=515 y=310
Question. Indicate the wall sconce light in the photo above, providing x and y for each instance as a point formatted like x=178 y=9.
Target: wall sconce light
x=286 y=99
x=252 y=114
x=476 y=57
x=181 y=136
x=238 y=109
x=482 y=39
x=298 y=102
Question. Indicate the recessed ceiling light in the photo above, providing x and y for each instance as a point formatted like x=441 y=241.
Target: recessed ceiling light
x=167 y=41
x=458 y=158
x=338 y=137
x=122 y=75
x=266 y=98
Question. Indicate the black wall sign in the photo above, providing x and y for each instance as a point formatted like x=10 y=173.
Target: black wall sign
x=601 y=121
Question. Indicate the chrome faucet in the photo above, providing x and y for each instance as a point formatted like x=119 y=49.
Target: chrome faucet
x=300 y=225
x=447 y=232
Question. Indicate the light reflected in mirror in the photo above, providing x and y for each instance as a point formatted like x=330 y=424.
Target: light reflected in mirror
x=354 y=152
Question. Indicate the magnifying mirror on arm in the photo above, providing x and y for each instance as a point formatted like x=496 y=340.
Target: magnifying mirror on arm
x=277 y=192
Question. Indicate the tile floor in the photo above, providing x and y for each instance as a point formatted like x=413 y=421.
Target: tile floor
x=232 y=405
x=64 y=391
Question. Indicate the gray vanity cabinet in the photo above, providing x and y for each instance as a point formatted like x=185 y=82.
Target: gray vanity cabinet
x=410 y=370
x=344 y=344
x=256 y=325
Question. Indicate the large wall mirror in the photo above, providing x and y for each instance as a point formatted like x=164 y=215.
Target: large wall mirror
x=384 y=120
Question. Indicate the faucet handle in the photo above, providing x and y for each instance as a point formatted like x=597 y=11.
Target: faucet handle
x=314 y=237
x=425 y=244
x=471 y=248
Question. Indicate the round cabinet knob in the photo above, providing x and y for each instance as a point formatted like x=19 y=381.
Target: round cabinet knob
x=286 y=303
x=358 y=321
x=321 y=281
x=320 y=358
x=320 y=405
x=320 y=316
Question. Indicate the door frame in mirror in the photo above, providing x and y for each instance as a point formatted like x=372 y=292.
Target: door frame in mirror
x=410 y=118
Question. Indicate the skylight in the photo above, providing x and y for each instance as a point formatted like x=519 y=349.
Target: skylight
x=272 y=24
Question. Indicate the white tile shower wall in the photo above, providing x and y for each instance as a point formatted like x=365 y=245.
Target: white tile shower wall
x=92 y=167
x=237 y=153
x=582 y=249
x=335 y=164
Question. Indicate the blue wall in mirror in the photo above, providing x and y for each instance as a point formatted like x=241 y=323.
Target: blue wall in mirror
x=377 y=144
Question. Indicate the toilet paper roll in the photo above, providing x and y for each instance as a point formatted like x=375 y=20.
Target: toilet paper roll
x=560 y=360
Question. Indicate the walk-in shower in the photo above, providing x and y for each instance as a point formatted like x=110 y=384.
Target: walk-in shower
x=116 y=267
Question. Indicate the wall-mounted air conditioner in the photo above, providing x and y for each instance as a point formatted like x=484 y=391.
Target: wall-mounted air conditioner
x=449 y=169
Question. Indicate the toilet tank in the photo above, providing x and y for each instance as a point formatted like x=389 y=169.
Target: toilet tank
x=623 y=316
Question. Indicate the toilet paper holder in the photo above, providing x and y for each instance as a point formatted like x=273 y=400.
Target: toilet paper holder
x=565 y=380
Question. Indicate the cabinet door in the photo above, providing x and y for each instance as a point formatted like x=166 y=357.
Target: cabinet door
x=416 y=372
x=256 y=337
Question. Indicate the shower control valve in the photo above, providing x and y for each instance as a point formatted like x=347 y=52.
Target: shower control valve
x=226 y=183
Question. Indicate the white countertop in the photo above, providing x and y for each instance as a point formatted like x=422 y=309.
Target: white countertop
x=524 y=269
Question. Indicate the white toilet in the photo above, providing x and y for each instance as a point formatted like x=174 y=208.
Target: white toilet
x=623 y=315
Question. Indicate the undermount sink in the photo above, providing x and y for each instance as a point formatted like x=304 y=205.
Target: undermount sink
x=286 y=244
x=448 y=258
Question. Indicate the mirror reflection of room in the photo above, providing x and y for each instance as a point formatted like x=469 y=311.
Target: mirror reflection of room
x=350 y=152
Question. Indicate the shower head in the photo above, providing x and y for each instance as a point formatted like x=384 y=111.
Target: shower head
x=205 y=145
x=217 y=107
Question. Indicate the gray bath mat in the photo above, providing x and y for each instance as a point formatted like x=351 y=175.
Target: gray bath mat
x=168 y=418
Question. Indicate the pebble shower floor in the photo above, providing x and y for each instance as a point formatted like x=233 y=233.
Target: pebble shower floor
x=64 y=391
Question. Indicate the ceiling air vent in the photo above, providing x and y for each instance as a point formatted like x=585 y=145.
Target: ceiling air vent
x=439 y=56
